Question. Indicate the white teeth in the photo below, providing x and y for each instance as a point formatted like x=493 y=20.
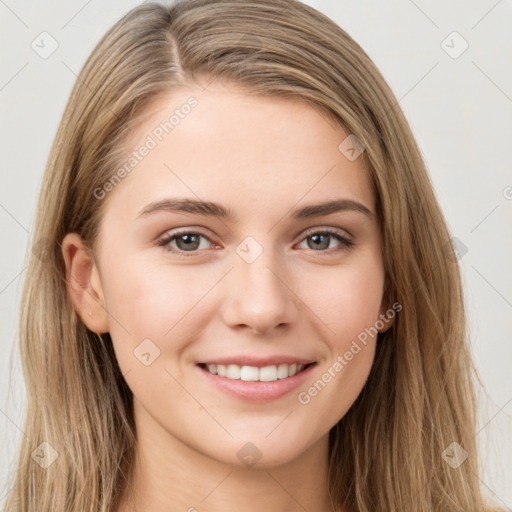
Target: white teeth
x=249 y=373
x=282 y=371
x=268 y=373
x=254 y=373
x=233 y=371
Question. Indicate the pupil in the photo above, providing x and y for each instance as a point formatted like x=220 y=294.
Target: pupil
x=188 y=239
x=324 y=245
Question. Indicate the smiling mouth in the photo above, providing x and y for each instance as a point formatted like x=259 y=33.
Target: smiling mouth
x=254 y=373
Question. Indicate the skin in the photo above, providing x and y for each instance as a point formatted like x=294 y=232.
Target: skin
x=261 y=157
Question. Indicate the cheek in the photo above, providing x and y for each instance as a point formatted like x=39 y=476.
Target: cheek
x=348 y=305
x=347 y=299
x=151 y=300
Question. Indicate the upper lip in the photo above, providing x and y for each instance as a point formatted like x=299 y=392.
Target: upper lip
x=258 y=361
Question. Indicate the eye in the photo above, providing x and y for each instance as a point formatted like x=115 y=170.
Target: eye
x=321 y=240
x=186 y=241
x=190 y=241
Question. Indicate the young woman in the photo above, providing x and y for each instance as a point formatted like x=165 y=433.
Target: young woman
x=242 y=291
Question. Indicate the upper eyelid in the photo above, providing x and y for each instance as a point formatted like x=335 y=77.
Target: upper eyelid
x=172 y=234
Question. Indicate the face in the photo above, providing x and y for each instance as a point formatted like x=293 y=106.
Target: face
x=256 y=278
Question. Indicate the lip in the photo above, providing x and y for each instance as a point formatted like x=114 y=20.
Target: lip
x=258 y=361
x=255 y=391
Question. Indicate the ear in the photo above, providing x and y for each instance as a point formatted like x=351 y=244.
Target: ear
x=387 y=310
x=83 y=284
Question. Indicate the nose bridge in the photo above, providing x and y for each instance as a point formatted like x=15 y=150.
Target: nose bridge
x=258 y=295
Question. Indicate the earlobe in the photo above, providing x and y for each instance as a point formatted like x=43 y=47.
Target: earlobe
x=386 y=319
x=84 y=284
x=387 y=312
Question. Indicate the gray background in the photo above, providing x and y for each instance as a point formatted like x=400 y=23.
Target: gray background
x=459 y=105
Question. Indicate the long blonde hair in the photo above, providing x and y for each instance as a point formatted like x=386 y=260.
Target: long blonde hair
x=386 y=452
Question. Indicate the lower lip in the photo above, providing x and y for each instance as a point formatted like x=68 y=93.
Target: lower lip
x=257 y=391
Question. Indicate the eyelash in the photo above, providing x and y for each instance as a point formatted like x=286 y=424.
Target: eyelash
x=163 y=242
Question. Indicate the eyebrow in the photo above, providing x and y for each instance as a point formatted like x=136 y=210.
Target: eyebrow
x=210 y=209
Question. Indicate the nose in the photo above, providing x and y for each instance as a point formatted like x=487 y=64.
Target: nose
x=259 y=297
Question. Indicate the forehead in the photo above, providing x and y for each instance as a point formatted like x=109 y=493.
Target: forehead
x=225 y=145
